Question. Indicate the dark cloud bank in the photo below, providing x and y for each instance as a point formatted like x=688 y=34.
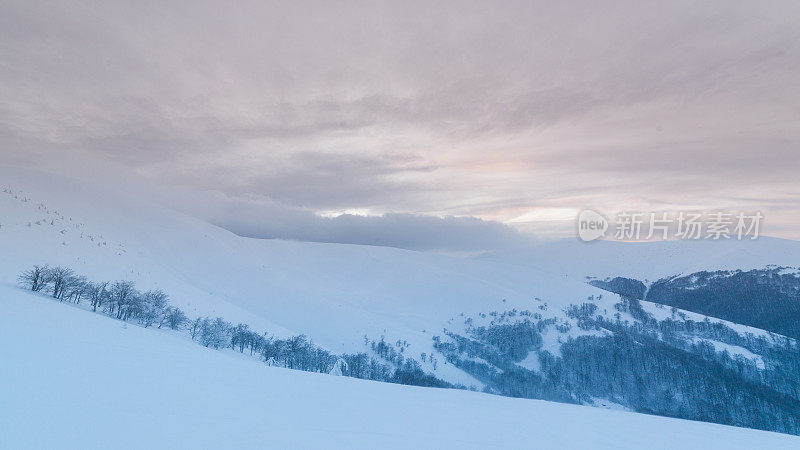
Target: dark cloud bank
x=265 y=219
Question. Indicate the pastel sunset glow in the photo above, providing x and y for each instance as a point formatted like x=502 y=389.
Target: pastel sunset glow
x=516 y=113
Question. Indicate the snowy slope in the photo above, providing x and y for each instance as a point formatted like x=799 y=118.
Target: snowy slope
x=334 y=293
x=72 y=379
x=573 y=259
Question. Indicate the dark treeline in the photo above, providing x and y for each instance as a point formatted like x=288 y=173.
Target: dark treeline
x=657 y=367
x=781 y=355
x=763 y=298
x=121 y=300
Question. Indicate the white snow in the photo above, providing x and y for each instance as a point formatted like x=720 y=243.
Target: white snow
x=57 y=363
x=334 y=293
x=73 y=379
x=531 y=362
x=733 y=350
x=649 y=261
x=608 y=404
x=663 y=312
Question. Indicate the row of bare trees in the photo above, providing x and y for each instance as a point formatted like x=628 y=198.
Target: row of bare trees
x=119 y=299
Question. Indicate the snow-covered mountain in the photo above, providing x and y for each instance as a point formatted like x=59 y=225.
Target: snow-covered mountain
x=80 y=380
x=525 y=324
x=334 y=293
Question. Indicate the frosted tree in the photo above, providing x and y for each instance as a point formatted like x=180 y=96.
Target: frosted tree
x=60 y=279
x=257 y=342
x=214 y=333
x=76 y=288
x=153 y=306
x=34 y=279
x=195 y=326
x=123 y=299
x=97 y=293
x=240 y=337
x=174 y=318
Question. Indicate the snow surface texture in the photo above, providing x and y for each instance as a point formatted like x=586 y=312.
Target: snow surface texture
x=73 y=379
x=336 y=294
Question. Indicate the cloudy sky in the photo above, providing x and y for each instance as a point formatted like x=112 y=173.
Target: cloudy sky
x=509 y=116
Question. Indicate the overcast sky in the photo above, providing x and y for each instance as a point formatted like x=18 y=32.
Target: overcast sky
x=521 y=113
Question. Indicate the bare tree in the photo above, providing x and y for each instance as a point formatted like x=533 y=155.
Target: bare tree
x=173 y=318
x=34 y=279
x=123 y=299
x=98 y=294
x=60 y=278
x=194 y=328
x=76 y=287
x=240 y=337
x=153 y=306
x=214 y=333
